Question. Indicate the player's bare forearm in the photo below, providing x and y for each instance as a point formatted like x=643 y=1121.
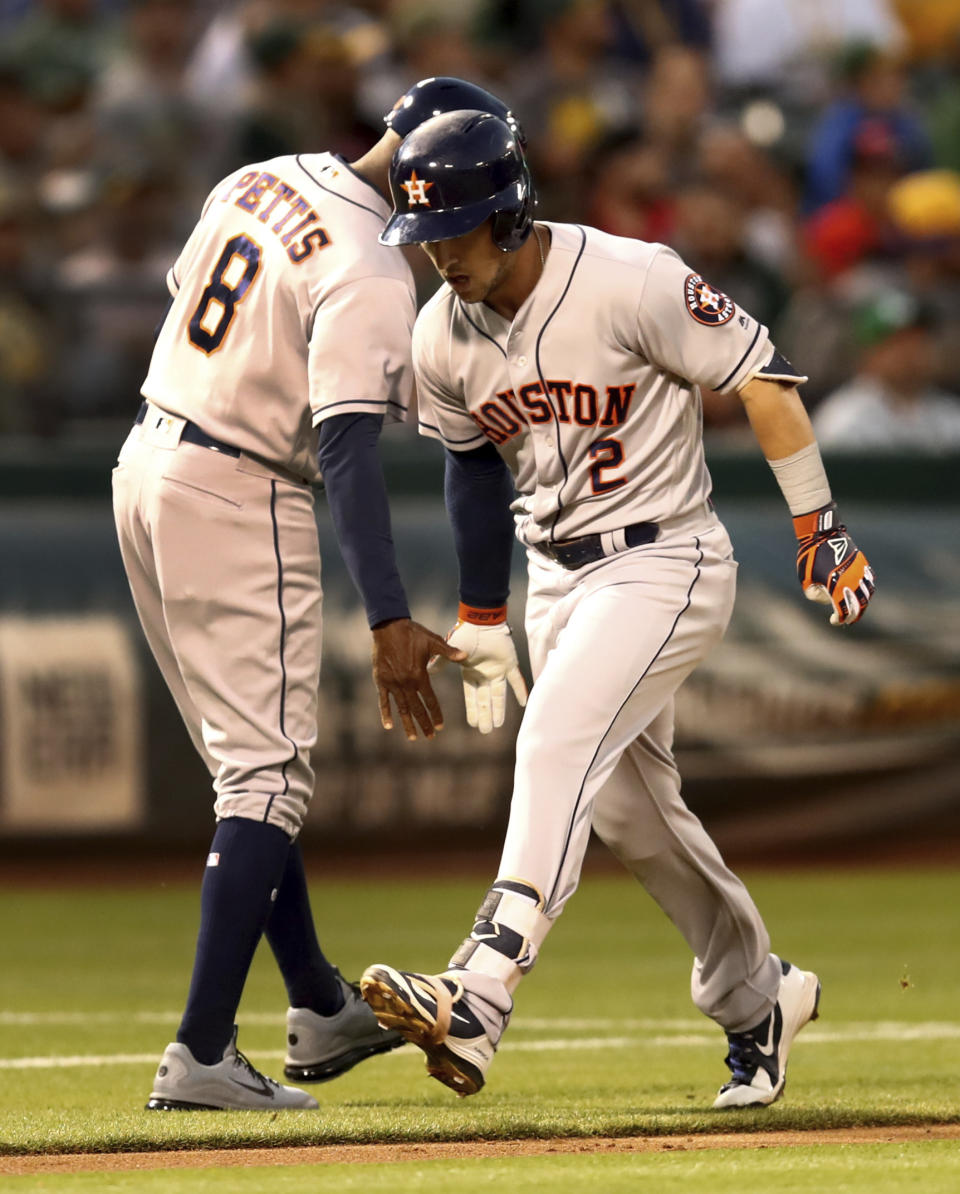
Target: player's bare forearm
x=830 y=566
x=778 y=417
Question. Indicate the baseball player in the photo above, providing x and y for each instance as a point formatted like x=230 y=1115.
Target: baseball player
x=565 y=362
x=285 y=347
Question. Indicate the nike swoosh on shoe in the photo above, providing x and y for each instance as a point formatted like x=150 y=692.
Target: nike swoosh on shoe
x=260 y=1090
x=768 y=1048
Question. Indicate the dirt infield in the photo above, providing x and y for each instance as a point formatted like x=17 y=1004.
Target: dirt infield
x=352 y=1154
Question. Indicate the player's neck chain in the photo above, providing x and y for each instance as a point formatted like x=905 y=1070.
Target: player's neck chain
x=536 y=233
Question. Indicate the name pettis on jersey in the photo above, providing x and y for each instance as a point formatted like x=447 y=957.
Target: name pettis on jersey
x=260 y=190
x=505 y=416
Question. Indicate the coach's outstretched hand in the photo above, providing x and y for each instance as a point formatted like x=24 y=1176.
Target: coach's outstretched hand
x=401 y=650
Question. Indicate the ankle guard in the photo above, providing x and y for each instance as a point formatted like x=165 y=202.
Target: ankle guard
x=507 y=934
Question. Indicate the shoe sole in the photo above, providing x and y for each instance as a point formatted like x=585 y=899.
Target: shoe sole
x=768 y=1102
x=160 y=1104
x=394 y=1010
x=324 y=1071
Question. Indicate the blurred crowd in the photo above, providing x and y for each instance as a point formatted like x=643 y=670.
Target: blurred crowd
x=804 y=155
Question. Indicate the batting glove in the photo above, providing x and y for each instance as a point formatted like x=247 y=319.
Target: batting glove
x=830 y=566
x=491 y=665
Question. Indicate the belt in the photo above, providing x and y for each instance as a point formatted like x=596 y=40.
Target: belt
x=194 y=435
x=576 y=553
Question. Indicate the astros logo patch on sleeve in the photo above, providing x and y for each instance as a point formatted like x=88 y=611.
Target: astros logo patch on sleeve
x=705 y=303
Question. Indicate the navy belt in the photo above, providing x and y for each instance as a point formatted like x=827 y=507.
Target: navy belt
x=576 y=553
x=194 y=435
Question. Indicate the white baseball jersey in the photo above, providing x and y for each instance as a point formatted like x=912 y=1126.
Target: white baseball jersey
x=286 y=309
x=591 y=396
x=591 y=393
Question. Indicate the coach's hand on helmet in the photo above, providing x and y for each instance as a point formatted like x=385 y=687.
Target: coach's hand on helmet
x=490 y=665
x=401 y=650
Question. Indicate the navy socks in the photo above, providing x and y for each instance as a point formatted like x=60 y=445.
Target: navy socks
x=310 y=979
x=245 y=866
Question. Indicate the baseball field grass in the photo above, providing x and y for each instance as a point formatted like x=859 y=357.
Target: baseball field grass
x=604 y=1042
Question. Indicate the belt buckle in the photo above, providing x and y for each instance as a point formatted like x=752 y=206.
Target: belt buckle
x=572 y=554
x=577 y=553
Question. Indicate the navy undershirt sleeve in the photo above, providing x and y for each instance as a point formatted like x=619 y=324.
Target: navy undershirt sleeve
x=478 y=490
x=357 y=496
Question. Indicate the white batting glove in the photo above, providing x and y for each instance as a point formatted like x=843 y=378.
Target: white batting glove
x=491 y=665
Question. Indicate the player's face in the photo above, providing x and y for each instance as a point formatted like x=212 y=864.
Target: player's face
x=472 y=264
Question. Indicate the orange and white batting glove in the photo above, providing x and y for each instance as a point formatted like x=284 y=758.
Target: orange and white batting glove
x=491 y=665
x=830 y=566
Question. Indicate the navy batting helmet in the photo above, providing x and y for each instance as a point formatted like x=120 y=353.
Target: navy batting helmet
x=453 y=172
x=433 y=97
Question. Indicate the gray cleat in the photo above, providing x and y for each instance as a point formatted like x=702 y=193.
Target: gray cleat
x=231 y=1084
x=323 y=1047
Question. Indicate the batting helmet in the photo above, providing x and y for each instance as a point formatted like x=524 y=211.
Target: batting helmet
x=453 y=172
x=433 y=97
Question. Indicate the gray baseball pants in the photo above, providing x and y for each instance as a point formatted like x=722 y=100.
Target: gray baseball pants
x=223 y=561
x=610 y=644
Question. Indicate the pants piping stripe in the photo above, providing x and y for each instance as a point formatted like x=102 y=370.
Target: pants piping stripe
x=575 y=817
x=282 y=648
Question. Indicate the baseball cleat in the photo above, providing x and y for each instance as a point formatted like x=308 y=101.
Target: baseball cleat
x=431 y=1011
x=231 y=1084
x=322 y=1047
x=758 y=1058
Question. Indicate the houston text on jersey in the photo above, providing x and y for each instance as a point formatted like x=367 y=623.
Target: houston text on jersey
x=503 y=417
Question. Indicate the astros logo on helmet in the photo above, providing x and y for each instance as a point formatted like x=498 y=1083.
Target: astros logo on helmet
x=478 y=172
x=416 y=189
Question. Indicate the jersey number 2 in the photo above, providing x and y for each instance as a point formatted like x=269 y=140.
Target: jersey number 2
x=606 y=454
x=228 y=297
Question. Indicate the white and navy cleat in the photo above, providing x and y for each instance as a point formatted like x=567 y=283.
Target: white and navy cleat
x=323 y=1047
x=232 y=1084
x=758 y=1058
x=433 y=1012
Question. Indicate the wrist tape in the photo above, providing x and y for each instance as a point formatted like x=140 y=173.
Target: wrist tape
x=802 y=480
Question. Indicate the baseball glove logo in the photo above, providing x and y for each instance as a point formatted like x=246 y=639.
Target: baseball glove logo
x=705 y=303
x=416 y=189
x=840 y=548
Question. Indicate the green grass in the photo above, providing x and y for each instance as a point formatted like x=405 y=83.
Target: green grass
x=604 y=1041
x=878 y=1169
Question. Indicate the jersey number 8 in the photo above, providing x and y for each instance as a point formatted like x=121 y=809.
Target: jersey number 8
x=218 y=291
